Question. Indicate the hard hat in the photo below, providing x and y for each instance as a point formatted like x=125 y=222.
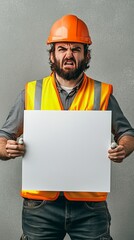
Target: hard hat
x=69 y=29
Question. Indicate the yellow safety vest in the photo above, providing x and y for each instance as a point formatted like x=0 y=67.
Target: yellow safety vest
x=43 y=95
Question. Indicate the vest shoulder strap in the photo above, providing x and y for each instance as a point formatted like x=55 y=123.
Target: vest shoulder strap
x=38 y=93
x=97 y=94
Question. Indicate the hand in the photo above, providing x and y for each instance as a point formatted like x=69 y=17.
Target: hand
x=14 y=149
x=117 y=154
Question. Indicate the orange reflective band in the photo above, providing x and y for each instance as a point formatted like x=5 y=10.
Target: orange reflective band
x=106 y=90
x=86 y=196
x=40 y=195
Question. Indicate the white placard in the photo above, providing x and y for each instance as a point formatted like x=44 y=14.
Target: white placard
x=67 y=151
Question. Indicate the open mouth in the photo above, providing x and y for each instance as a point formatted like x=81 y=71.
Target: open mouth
x=69 y=63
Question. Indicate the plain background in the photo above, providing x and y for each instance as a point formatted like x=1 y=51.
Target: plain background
x=24 y=27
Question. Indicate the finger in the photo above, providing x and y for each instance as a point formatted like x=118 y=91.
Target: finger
x=118 y=154
x=15 y=146
x=12 y=142
x=11 y=154
x=117 y=149
x=21 y=147
x=116 y=159
x=9 y=145
x=120 y=148
x=11 y=151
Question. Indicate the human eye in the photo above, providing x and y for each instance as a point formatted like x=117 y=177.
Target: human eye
x=61 y=49
x=76 y=49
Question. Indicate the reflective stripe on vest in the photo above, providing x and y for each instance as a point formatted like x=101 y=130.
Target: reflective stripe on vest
x=38 y=93
x=43 y=95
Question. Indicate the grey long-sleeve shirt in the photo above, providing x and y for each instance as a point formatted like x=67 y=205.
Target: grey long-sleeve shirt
x=13 y=126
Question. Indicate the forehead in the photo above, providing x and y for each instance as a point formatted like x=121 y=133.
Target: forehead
x=69 y=45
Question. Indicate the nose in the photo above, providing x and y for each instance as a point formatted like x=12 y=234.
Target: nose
x=69 y=53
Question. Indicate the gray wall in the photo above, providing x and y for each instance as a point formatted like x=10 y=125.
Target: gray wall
x=24 y=26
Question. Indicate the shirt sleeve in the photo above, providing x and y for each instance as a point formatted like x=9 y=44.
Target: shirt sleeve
x=120 y=124
x=13 y=126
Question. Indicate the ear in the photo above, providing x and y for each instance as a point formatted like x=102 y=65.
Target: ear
x=88 y=55
x=52 y=57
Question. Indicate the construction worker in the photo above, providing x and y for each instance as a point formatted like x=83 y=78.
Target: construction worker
x=50 y=215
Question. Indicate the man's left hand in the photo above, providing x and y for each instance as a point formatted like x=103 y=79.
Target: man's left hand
x=117 y=154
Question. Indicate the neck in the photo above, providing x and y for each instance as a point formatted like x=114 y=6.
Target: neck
x=71 y=83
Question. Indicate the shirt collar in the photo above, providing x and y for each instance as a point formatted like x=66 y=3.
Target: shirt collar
x=76 y=88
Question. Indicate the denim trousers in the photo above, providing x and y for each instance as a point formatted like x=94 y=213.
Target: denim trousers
x=51 y=220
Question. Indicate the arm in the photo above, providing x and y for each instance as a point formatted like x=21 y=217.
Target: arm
x=11 y=130
x=122 y=131
x=3 y=152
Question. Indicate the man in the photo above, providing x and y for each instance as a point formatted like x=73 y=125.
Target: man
x=50 y=215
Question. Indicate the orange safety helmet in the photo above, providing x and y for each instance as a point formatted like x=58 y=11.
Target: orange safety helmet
x=69 y=29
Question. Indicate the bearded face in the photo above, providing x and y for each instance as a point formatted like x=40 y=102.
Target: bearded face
x=68 y=60
x=69 y=73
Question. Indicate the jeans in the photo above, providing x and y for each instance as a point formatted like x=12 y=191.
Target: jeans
x=51 y=220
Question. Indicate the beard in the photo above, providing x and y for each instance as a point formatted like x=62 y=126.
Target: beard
x=71 y=74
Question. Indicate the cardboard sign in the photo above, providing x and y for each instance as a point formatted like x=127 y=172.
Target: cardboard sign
x=67 y=151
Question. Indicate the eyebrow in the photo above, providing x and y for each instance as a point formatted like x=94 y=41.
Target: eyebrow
x=61 y=47
x=72 y=48
x=76 y=48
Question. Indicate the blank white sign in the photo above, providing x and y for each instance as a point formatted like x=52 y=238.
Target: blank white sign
x=67 y=151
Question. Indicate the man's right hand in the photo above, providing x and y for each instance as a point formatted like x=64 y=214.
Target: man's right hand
x=10 y=149
x=14 y=149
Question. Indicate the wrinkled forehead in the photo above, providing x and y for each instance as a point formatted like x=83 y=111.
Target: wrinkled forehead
x=69 y=44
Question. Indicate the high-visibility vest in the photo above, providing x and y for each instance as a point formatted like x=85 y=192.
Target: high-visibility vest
x=43 y=95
